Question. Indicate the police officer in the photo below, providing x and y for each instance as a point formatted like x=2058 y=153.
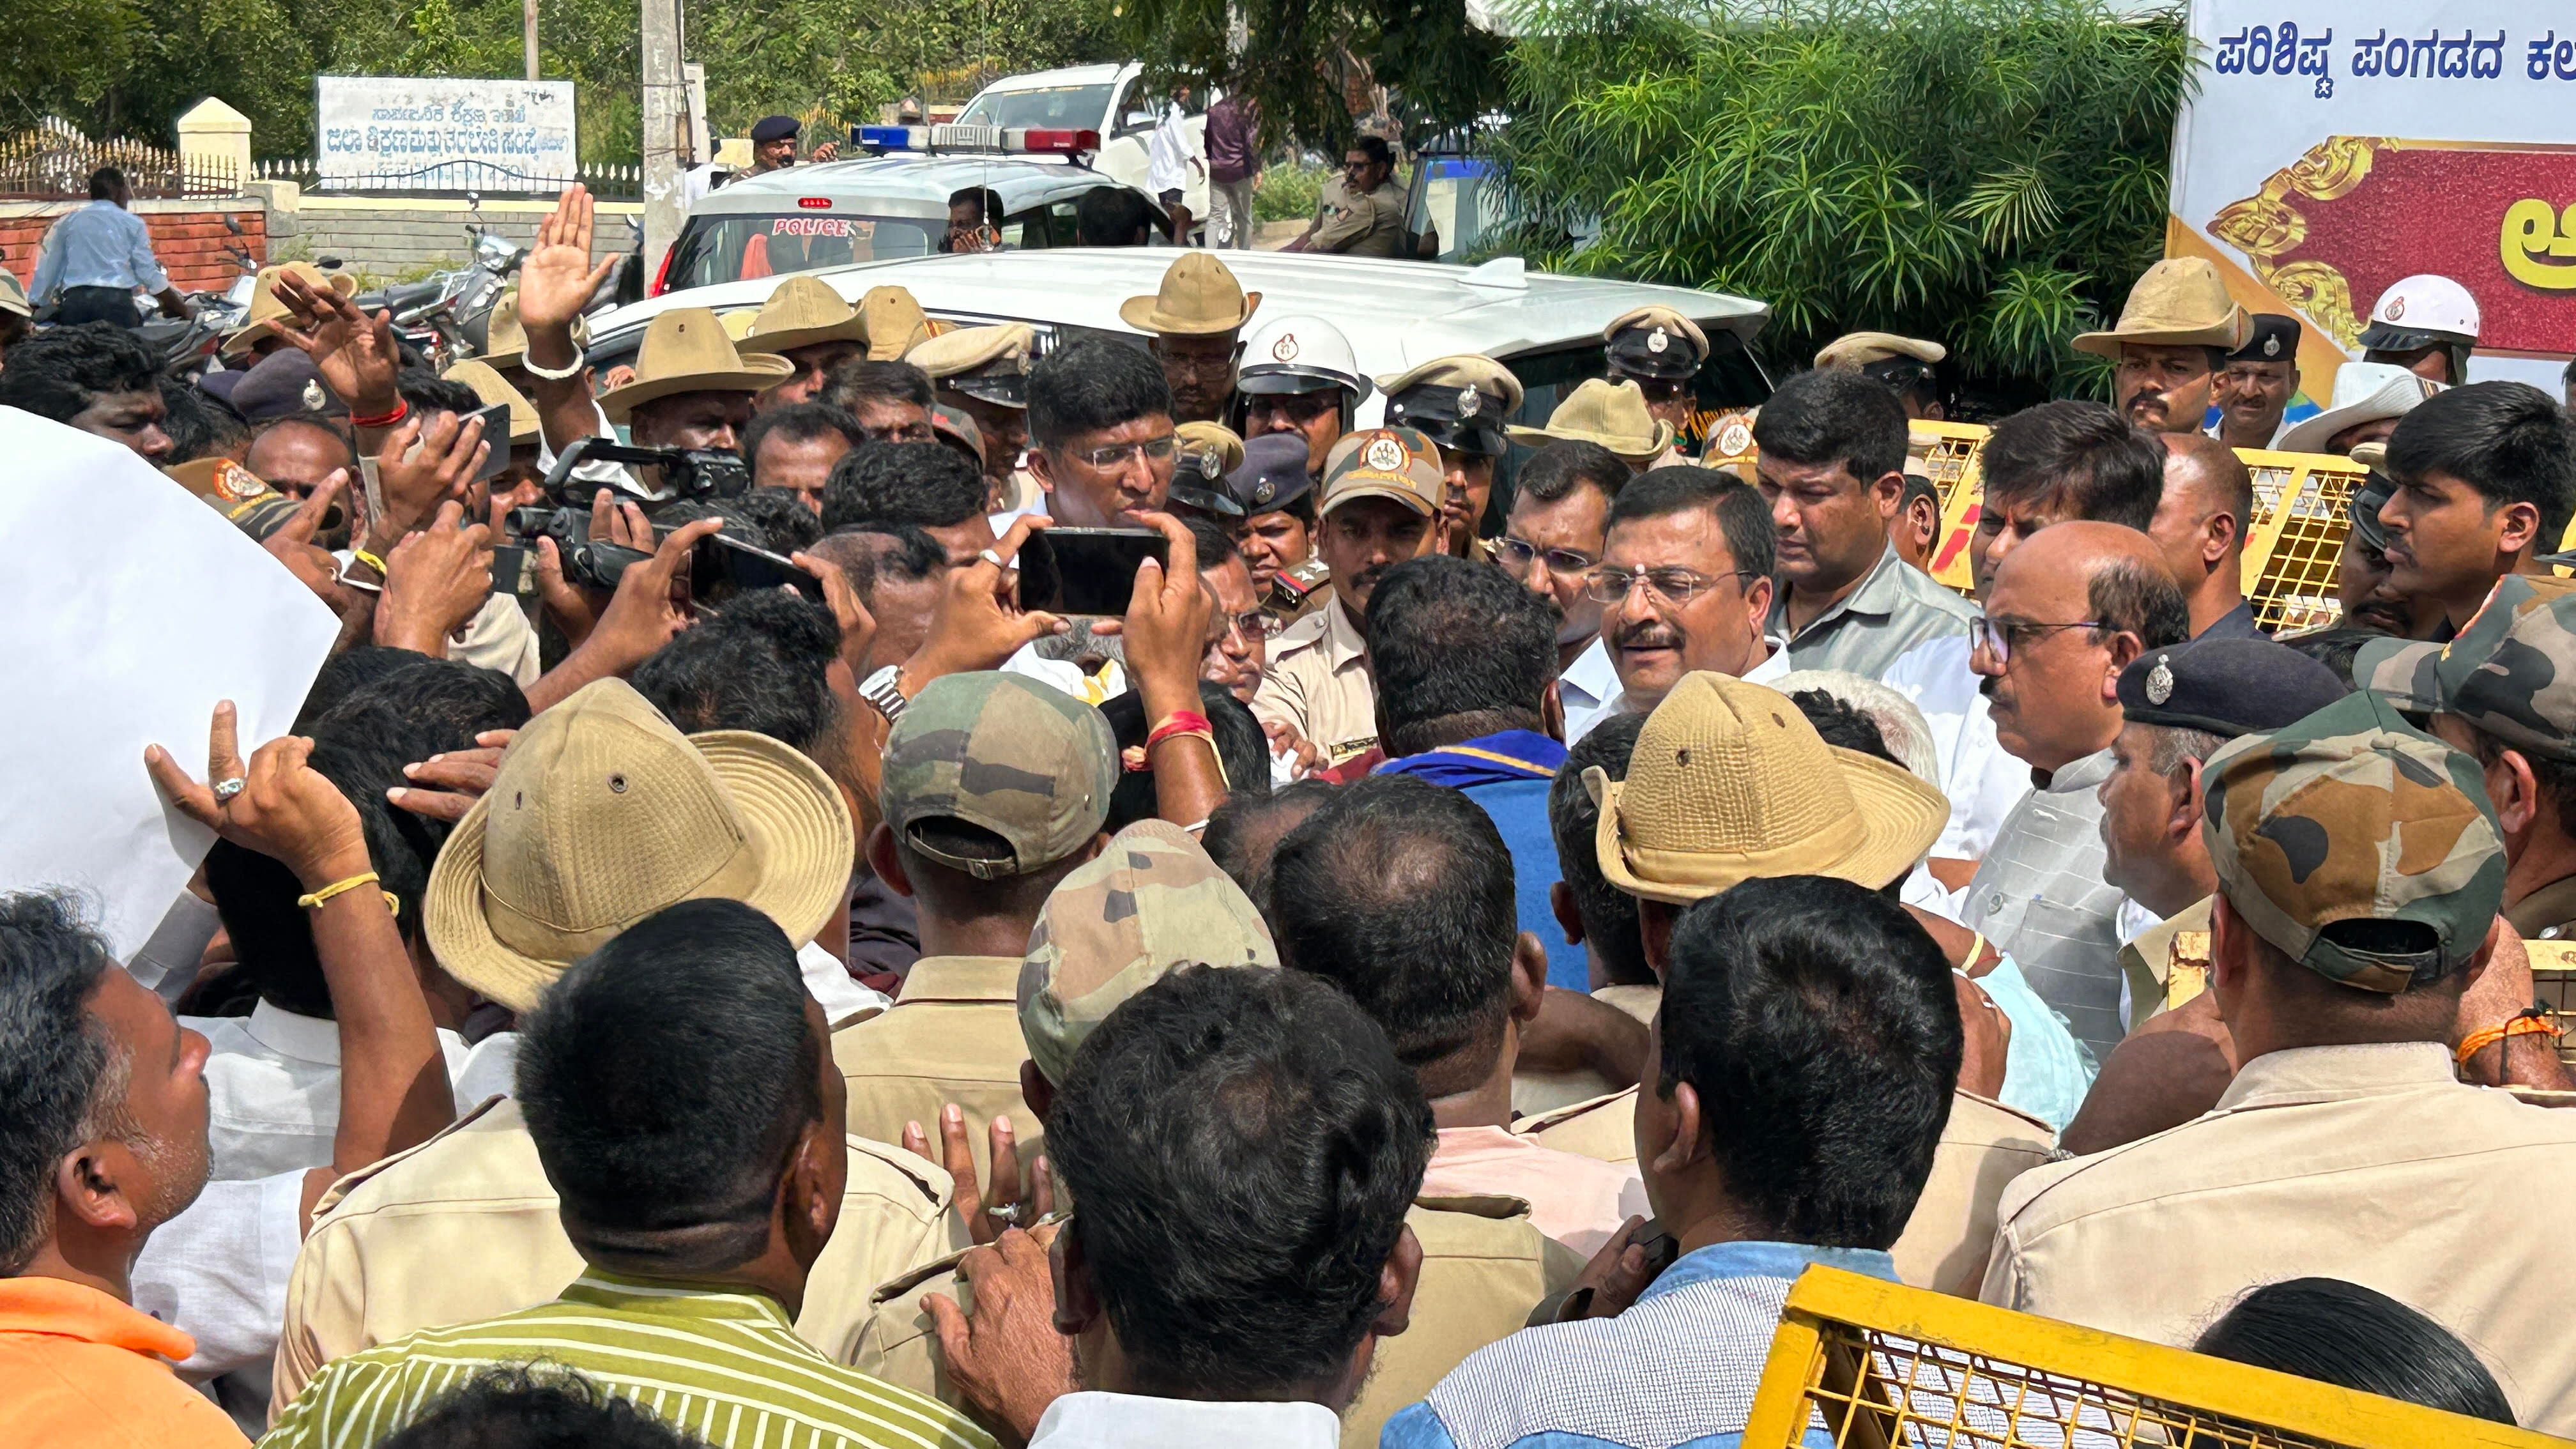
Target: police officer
x=1209 y=451
x=1460 y=404
x=1278 y=500
x=983 y=372
x=773 y=145
x=2425 y=324
x=2256 y=386
x=1298 y=376
x=2177 y=706
x=1903 y=363
x=1661 y=350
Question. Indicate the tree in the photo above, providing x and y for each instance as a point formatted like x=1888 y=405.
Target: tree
x=123 y=67
x=1990 y=173
x=1312 y=63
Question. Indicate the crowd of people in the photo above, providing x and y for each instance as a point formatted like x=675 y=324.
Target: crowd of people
x=1499 y=902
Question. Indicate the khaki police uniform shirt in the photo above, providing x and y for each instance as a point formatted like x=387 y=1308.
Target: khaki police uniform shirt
x=1363 y=225
x=1984 y=1146
x=2373 y=1164
x=952 y=1036
x=464 y=1227
x=1319 y=683
x=1484 y=1268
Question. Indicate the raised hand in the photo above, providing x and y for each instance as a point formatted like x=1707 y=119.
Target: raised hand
x=414 y=481
x=1166 y=624
x=557 y=279
x=355 y=354
x=986 y=1209
x=436 y=581
x=282 y=807
x=978 y=622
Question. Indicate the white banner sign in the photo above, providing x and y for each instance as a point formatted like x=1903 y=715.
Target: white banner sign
x=393 y=134
x=2336 y=146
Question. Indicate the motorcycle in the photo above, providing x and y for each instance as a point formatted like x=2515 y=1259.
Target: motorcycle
x=187 y=345
x=447 y=316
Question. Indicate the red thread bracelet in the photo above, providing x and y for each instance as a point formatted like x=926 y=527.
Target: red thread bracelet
x=1181 y=722
x=401 y=410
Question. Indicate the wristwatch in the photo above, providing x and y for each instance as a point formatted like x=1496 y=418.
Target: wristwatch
x=879 y=690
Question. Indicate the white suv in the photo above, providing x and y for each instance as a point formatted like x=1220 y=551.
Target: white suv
x=1110 y=99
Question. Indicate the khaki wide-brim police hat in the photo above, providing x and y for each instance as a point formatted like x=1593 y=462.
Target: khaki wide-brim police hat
x=1199 y=298
x=266 y=311
x=804 y=311
x=686 y=350
x=896 y=323
x=2180 y=302
x=1730 y=783
x=492 y=387
x=13 y=298
x=1605 y=411
x=602 y=814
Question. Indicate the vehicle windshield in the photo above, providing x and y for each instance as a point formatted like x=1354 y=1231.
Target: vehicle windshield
x=1460 y=199
x=729 y=248
x=1080 y=107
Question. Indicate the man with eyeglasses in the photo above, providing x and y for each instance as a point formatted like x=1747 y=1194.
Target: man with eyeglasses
x=2066 y=613
x=1551 y=543
x=1382 y=490
x=1830 y=460
x=2055 y=463
x=1685 y=584
x=1460 y=404
x=1101 y=436
x=1299 y=376
x=1660 y=350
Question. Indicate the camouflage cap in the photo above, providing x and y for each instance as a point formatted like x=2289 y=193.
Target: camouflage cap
x=2511 y=672
x=1020 y=758
x=2349 y=815
x=1148 y=904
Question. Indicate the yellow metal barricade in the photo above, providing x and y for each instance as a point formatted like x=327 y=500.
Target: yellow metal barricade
x=2292 y=544
x=2553 y=980
x=1877 y=1365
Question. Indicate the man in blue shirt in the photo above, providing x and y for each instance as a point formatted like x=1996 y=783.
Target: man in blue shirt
x=1465 y=661
x=96 y=257
x=1800 y=1078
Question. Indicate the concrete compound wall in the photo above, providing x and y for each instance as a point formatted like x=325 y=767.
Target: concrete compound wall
x=382 y=239
x=188 y=237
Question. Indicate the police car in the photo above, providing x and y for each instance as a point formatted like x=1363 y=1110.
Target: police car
x=884 y=207
x=1110 y=99
x=1396 y=314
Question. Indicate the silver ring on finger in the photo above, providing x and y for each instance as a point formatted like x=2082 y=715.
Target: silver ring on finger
x=225 y=790
x=995 y=559
x=1008 y=1215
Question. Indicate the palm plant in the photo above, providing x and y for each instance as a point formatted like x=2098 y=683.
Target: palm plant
x=1990 y=173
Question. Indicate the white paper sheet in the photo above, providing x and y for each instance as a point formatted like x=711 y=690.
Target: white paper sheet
x=131 y=607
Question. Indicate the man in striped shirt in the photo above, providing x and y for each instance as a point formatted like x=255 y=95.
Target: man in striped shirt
x=679 y=1086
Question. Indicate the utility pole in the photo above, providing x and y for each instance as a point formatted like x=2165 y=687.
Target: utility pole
x=666 y=120
x=528 y=33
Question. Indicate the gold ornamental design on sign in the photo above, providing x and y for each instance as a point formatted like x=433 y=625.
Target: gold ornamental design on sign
x=2268 y=225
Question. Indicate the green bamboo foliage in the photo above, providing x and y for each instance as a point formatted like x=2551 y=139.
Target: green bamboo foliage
x=1990 y=174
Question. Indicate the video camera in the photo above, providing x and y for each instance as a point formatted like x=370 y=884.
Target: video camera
x=689 y=475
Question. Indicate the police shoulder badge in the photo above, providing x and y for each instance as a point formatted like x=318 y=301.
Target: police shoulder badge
x=1285 y=349
x=1735 y=438
x=2160 y=681
x=235 y=483
x=1469 y=400
x=1385 y=454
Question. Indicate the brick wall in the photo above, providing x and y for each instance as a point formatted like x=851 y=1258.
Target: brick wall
x=188 y=238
